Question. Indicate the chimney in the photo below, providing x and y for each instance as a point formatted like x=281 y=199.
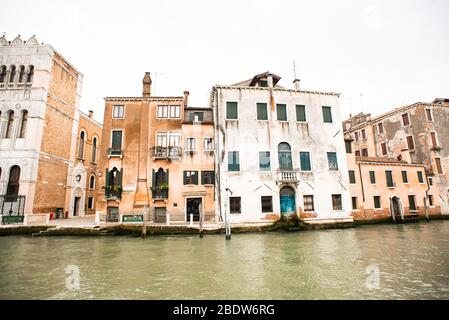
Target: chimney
x=270 y=80
x=91 y=113
x=146 y=93
x=296 y=84
x=186 y=98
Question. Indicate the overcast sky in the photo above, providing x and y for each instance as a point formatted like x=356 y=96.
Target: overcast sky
x=378 y=54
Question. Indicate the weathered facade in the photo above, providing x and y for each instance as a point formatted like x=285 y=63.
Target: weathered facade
x=279 y=151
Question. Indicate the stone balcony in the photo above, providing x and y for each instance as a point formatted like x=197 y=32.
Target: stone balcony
x=286 y=176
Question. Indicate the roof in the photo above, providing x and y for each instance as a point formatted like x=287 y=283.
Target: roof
x=386 y=160
x=254 y=80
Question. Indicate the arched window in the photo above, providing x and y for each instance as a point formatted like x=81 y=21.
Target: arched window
x=94 y=149
x=81 y=145
x=285 y=156
x=3 y=74
x=30 y=74
x=92 y=182
x=13 y=182
x=12 y=75
x=21 y=74
x=23 y=125
x=9 y=124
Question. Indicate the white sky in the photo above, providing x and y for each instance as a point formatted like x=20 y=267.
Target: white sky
x=391 y=52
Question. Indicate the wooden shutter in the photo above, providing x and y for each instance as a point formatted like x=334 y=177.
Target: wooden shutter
x=107 y=177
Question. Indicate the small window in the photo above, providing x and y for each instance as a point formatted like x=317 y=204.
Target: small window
x=411 y=203
x=235 y=205
x=207 y=177
x=308 y=203
x=356 y=136
x=233 y=161
x=94 y=150
x=404 y=176
x=363 y=134
x=336 y=202
x=304 y=160
x=410 y=143
x=301 y=113
x=433 y=137
x=196 y=116
x=264 y=161
x=23 y=125
x=327 y=114
x=380 y=128
x=208 y=144
x=116 y=143
x=118 y=112
x=90 y=203
x=267 y=203
x=92 y=182
x=262 y=113
x=332 y=161
x=383 y=147
x=372 y=177
x=263 y=83
x=430 y=181
x=174 y=111
x=348 y=146
x=405 y=119
x=190 y=177
x=389 y=177
x=430 y=197
x=190 y=144
x=12 y=75
x=351 y=176
x=420 y=177
x=231 y=110
x=429 y=115
x=354 y=203
x=162 y=111
x=30 y=74
x=438 y=166
x=357 y=153
x=377 y=202
x=281 y=110
x=81 y=145
x=9 y=124
x=364 y=152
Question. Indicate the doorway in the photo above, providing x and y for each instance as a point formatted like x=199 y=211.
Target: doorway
x=287 y=200
x=396 y=209
x=193 y=206
x=76 y=206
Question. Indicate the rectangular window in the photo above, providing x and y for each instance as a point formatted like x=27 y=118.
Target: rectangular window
x=438 y=166
x=389 y=176
x=383 y=146
x=191 y=145
x=356 y=136
x=405 y=119
x=301 y=113
x=174 y=111
x=208 y=144
x=372 y=177
x=332 y=161
x=90 y=203
x=429 y=115
x=281 y=110
x=196 y=116
x=410 y=143
x=118 y=112
x=308 y=203
x=235 y=205
x=231 y=110
x=430 y=181
x=190 y=177
x=430 y=200
x=364 y=152
x=336 y=202
x=207 y=177
x=351 y=176
x=264 y=161
x=354 y=203
x=377 y=202
x=161 y=139
x=174 y=139
x=304 y=159
x=433 y=137
x=263 y=83
x=357 y=153
x=420 y=177
x=267 y=203
x=411 y=203
x=327 y=114
x=404 y=176
x=233 y=161
x=348 y=146
x=363 y=134
x=262 y=113
x=162 y=111
x=116 y=143
x=380 y=128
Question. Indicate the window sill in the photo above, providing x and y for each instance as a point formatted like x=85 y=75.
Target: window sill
x=282 y=121
x=232 y=120
x=235 y=213
x=263 y=120
x=378 y=209
x=118 y=118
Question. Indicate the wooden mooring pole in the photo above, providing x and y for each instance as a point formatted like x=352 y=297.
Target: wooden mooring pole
x=145 y=218
x=201 y=219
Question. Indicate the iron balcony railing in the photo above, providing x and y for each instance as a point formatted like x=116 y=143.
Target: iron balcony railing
x=111 y=194
x=171 y=152
x=12 y=205
x=115 y=153
x=160 y=194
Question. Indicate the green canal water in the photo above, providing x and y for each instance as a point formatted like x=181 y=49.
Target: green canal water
x=412 y=260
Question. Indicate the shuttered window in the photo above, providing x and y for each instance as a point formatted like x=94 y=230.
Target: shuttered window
x=404 y=176
x=327 y=114
x=411 y=202
x=420 y=177
x=267 y=203
x=372 y=177
x=116 y=140
x=308 y=203
x=264 y=161
x=301 y=113
x=207 y=177
x=336 y=202
x=351 y=176
x=377 y=202
x=304 y=159
x=262 y=113
x=233 y=161
x=389 y=177
x=332 y=161
x=190 y=177
x=231 y=110
x=281 y=110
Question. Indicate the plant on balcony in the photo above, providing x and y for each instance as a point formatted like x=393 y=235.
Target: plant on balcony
x=112 y=188
x=436 y=148
x=160 y=188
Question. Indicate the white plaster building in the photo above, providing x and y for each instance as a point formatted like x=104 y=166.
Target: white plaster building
x=279 y=151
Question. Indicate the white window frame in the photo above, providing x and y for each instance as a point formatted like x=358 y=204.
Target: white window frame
x=165 y=110
x=211 y=144
x=431 y=114
x=160 y=134
x=123 y=111
x=188 y=147
x=177 y=111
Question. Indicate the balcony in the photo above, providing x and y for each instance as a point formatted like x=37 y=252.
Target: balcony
x=113 y=192
x=287 y=176
x=166 y=152
x=115 y=153
x=12 y=205
x=159 y=193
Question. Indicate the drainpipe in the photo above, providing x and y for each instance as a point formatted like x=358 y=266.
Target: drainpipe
x=217 y=155
x=426 y=208
x=361 y=184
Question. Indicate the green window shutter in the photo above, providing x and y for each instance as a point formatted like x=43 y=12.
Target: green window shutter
x=351 y=176
x=233 y=161
x=332 y=160
x=377 y=202
x=420 y=177
x=166 y=177
x=107 y=177
x=231 y=110
x=404 y=177
x=301 y=113
x=116 y=140
x=264 y=161
x=304 y=159
x=195 y=177
x=185 y=177
x=389 y=177
x=327 y=114
x=120 y=177
x=281 y=110
x=372 y=177
x=411 y=201
x=262 y=113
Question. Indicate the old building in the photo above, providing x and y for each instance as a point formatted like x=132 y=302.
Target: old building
x=279 y=151
x=411 y=140
x=154 y=155
x=39 y=110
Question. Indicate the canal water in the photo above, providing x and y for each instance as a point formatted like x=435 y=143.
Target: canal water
x=372 y=262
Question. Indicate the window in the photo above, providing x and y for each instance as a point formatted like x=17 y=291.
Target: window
x=231 y=110
x=281 y=110
x=233 y=161
x=332 y=161
x=12 y=74
x=30 y=74
x=351 y=176
x=380 y=128
x=411 y=203
x=383 y=147
x=430 y=200
x=404 y=176
x=207 y=177
x=348 y=146
x=81 y=145
x=190 y=146
x=263 y=83
x=433 y=137
x=208 y=144
x=190 y=177
x=356 y=136
x=438 y=166
x=161 y=139
x=377 y=202
x=354 y=203
x=94 y=149
x=118 y=112
x=23 y=126
x=363 y=134
x=410 y=143
x=420 y=177
x=304 y=159
x=357 y=153
x=308 y=203
x=13 y=182
x=262 y=113
x=116 y=143
x=336 y=202
x=160 y=183
x=92 y=182
x=9 y=124
x=174 y=112
x=267 y=203
x=162 y=111
x=364 y=152
x=285 y=156
x=264 y=161
x=301 y=113
x=429 y=115
x=430 y=181
x=90 y=203
x=372 y=177
x=234 y=204
x=405 y=119
x=389 y=177
x=22 y=74
x=327 y=114
x=2 y=74
x=196 y=116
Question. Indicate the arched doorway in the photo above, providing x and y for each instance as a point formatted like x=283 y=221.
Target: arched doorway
x=396 y=209
x=77 y=203
x=287 y=200
x=13 y=182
